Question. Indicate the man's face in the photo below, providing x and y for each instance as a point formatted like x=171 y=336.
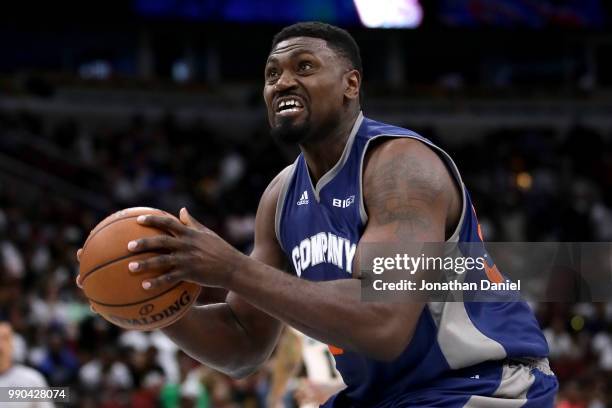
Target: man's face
x=304 y=88
x=6 y=345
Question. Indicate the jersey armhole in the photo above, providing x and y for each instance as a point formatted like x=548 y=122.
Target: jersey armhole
x=286 y=176
x=448 y=162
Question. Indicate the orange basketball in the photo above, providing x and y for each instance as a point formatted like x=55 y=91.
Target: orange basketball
x=114 y=291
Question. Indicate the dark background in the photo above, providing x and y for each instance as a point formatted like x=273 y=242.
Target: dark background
x=106 y=105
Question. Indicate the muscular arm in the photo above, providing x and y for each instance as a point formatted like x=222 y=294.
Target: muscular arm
x=235 y=337
x=410 y=197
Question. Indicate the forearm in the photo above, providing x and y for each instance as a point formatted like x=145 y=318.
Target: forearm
x=212 y=335
x=331 y=312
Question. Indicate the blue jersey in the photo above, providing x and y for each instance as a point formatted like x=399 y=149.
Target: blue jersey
x=319 y=227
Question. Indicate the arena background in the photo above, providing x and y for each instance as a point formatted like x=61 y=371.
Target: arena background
x=106 y=105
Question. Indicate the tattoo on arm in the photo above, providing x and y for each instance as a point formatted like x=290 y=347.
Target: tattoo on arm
x=402 y=189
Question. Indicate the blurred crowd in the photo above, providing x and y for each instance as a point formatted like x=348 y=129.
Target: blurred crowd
x=527 y=185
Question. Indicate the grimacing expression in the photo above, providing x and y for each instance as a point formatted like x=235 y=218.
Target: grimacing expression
x=305 y=86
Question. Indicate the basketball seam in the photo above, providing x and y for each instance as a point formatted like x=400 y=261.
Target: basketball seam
x=105 y=264
x=110 y=223
x=140 y=301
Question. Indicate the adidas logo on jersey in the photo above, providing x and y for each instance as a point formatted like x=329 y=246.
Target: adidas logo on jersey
x=303 y=198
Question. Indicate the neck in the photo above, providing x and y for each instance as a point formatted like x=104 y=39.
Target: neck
x=324 y=152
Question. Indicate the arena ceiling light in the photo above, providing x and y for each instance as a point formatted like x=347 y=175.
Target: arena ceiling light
x=390 y=13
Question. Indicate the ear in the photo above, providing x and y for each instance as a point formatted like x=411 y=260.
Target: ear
x=353 y=84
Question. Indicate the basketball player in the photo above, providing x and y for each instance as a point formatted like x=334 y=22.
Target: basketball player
x=13 y=376
x=355 y=181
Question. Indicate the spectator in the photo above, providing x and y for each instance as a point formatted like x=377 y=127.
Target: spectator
x=17 y=375
x=59 y=363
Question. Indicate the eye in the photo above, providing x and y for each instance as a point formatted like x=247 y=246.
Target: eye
x=305 y=66
x=271 y=73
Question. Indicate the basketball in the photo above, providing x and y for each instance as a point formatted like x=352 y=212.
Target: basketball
x=115 y=292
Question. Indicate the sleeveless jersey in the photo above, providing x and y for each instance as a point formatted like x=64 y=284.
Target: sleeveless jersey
x=319 y=227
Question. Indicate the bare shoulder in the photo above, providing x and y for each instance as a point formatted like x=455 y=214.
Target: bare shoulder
x=267 y=247
x=404 y=179
x=401 y=156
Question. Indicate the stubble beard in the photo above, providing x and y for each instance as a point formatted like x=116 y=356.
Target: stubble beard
x=288 y=132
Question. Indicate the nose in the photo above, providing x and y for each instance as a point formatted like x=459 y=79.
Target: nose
x=285 y=81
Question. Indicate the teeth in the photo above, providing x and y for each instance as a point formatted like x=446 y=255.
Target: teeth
x=289 y=102
x=290 y=110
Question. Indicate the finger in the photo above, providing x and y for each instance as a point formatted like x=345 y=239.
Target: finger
x=169 y=224
x=165 y=279
x=188 y=220
x=93 y=309
x=159 y=242
x=78 y=282
x=155 y=263
x=78 y=254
